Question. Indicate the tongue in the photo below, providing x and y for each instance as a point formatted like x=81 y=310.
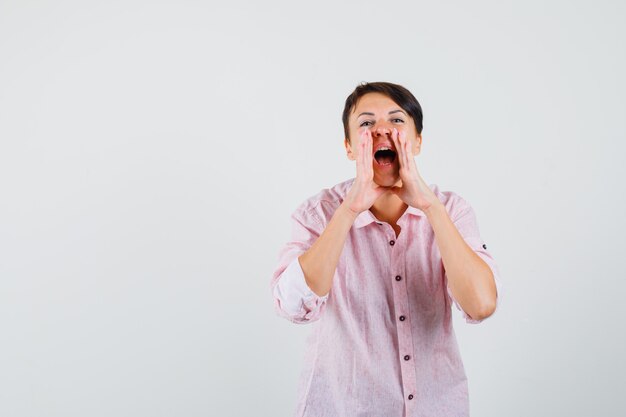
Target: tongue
x=384 y=159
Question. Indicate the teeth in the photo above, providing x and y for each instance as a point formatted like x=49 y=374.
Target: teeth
x=383 y=148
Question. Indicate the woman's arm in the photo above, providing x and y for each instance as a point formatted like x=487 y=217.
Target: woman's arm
x=320 y=261
x=470 y=279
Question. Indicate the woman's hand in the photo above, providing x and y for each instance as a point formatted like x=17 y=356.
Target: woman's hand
x=364 y=191
x=414 y=191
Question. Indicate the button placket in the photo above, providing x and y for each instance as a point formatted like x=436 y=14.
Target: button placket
x=403 y=329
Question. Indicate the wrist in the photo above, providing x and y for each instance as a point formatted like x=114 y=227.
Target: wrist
x=435 y=209
x=345 y=210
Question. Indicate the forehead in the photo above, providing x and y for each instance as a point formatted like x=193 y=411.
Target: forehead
x=374 y=102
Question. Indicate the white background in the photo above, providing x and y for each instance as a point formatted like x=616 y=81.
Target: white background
x=151 y=153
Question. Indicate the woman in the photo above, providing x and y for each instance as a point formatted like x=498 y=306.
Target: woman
x=376 y=263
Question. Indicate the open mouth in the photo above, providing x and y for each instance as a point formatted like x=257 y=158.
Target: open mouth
x=385 y=157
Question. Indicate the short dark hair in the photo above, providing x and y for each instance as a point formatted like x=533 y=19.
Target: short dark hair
x=403 y=97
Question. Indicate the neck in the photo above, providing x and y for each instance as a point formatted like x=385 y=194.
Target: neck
x=388 y=208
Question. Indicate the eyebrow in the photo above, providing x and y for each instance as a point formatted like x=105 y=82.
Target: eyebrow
x=372 y=114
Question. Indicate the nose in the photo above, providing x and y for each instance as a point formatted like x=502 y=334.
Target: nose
x=382 y=129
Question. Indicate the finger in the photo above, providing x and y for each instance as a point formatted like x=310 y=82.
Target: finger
x=396 y=143
x=369 y=157
x=359 y=152
x=409 y=152
x=364 y=162
x=403 y=142
x=406 y=150
x=407 y=144
x=365 y=165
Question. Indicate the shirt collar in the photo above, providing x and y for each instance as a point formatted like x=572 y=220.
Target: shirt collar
x=366 y=217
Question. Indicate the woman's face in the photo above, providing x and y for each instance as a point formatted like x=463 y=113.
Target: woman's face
x=381 y=115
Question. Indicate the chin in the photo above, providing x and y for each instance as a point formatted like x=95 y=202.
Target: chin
x=387 y=180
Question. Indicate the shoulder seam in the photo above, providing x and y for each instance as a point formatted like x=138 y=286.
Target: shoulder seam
x=311 y=211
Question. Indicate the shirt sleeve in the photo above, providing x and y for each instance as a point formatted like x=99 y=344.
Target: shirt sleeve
x=467 y=226
x=293 y=298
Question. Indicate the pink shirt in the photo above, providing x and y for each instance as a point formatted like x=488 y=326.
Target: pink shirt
x=382 y=340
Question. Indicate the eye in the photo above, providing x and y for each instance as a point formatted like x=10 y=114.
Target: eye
x=364 y=123
x=398 y=120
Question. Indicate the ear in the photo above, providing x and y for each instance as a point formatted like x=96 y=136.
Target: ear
x=417 y=146
x=351 y=155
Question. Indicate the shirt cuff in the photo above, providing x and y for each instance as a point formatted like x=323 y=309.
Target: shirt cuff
x=294 y=292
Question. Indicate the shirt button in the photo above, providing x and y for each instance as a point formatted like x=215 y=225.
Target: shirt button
x=398 y=277
x=407 y=357
x=402 y=318
x=392 y=242
x=410 y=396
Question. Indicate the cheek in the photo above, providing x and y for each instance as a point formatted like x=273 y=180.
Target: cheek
x=406 y=133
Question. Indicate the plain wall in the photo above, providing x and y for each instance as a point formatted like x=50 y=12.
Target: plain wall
x=151 y=153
